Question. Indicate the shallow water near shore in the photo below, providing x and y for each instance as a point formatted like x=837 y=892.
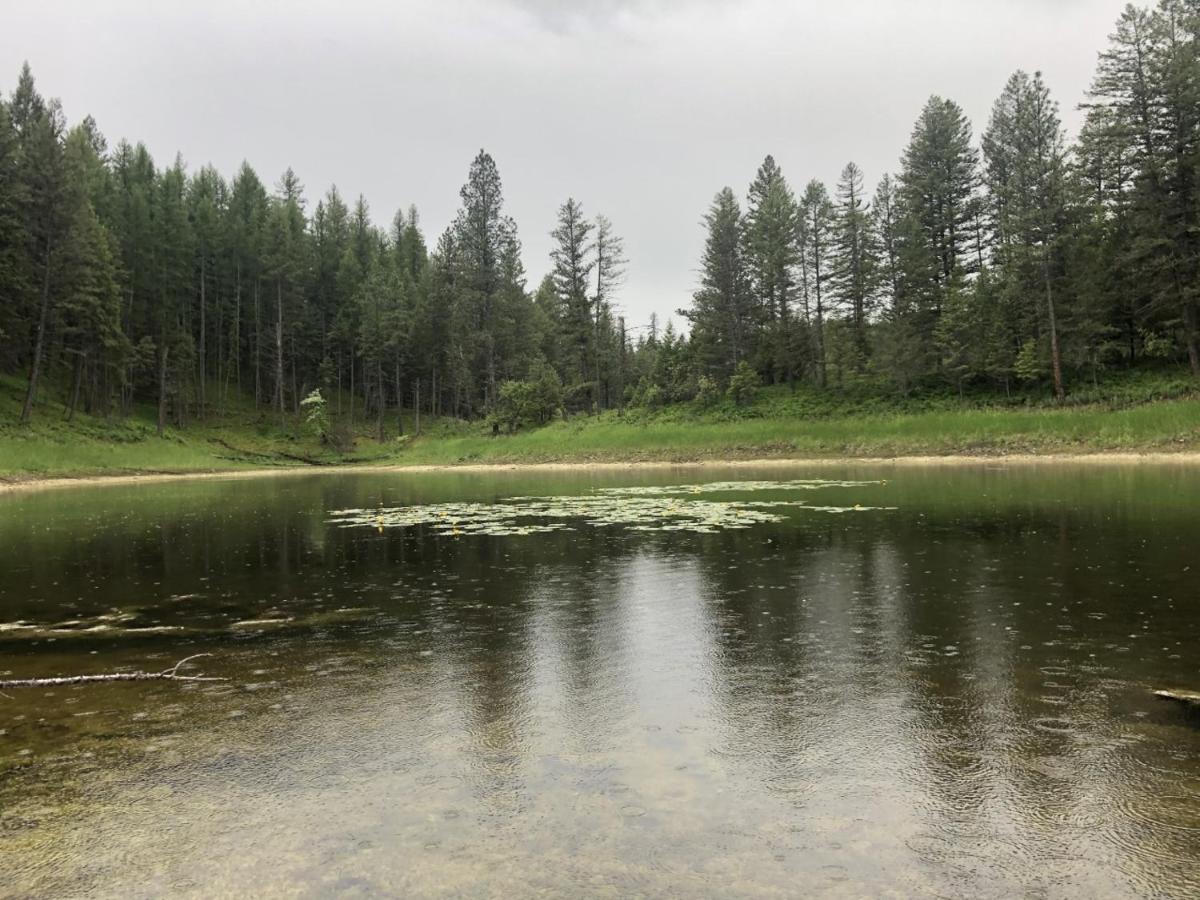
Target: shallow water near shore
x=845 y=682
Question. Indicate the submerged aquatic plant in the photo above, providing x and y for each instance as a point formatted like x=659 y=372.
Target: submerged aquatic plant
x=654 y=508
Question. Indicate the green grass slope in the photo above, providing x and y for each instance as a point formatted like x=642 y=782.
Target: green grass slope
x=1146 y=411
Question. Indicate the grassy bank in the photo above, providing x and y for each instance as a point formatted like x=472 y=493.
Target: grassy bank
x=1135 y=413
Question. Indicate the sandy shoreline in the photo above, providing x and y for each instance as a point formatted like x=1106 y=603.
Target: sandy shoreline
x=1189 y=458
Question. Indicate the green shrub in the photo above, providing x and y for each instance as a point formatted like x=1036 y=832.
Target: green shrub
x=316 y=416
x=744 y=385
x=708 y=392
x=533 y=401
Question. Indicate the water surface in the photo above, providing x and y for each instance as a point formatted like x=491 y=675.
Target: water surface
x=943 y=692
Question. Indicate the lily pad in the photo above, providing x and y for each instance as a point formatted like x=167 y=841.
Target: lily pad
x=645 y=508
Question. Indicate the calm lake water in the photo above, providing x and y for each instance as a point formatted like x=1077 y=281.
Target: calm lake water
x=945 y=692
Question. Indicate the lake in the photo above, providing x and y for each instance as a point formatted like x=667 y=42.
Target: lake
x=883 y=681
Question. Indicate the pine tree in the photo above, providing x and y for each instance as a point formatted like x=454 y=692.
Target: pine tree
x=1146 y=84
x=43 y=178
x=482 y=233
x=574 y=263
x=1026 y=176
x=938 y=182
x=609 y=251
x=816 y=210
x=89 y=308
x=885 y=225
x=853 y=261
x=245 y=235
x=14 y=286
x=206 y=202
x=285 y=259
x=722 y=318
x=771 y=256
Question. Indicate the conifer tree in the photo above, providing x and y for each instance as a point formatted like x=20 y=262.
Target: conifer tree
x=938 y=182
x=43 y=189
x=482 y=236
x=771 y=257
x=853 y=257
x=13 y=269
x=723 y=321
x=1026 y=177
x=574 y=262
x=817 y=212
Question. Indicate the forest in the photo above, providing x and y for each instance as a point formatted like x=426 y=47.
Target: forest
x=1017 y=259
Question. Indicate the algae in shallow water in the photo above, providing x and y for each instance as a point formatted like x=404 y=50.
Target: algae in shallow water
x=645 y=508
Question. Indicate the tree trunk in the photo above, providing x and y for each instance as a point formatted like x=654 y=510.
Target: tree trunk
x=820 y=331
x=222 y=362
x=1055 y=355
x=39 y=347
x=399 y=401
x=491 y=373
x=366 y=389
x=417 y=408
x=279 y=349
x=79 y=367
x=295 y=385
x=237 y=331
x=257 y=348
x=1191 y=324
x=203 y=393
x=382 y=397
x=162 y=387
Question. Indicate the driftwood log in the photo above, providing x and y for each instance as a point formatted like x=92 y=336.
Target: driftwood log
x=171 y=674
x=1191 y=698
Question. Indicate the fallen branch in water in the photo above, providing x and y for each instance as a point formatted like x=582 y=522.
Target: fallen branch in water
x=1191 y=698
x=171 y=674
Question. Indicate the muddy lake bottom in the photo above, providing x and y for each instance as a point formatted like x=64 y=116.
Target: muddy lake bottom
x=854 y=681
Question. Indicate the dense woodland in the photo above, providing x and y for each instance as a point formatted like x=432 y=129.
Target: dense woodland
x=1017 y=258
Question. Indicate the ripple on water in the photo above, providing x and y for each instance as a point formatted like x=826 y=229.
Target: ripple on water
x=1055 y=671
x=1176 y=812
x=964 y=864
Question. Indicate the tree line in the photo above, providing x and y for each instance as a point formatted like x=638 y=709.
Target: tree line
x=138 y=284
x=1017 y=258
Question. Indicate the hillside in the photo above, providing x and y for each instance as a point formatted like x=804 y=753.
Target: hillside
x=1142 y=411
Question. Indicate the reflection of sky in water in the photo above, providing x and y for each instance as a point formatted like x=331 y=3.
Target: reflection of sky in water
x=949 y=698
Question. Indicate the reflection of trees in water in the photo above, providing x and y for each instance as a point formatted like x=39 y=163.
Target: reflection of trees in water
x=959 y=655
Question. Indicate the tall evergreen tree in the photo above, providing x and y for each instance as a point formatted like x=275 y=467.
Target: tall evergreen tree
x=43 y=191
x=1024 y=149
x=482 y=235
x=938 y=181
x=286 y=264
x=771 y=256
x=609 y=250
x=854 y=263
x=722 y=317
x=574 y=263
x=14 y=286
x=817 y=213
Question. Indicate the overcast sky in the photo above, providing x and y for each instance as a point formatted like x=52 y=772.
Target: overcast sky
x=640 y=109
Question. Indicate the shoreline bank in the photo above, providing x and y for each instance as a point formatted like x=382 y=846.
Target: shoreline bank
x=1182 y=457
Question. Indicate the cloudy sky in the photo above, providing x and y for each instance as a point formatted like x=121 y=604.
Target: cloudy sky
x=640 y=109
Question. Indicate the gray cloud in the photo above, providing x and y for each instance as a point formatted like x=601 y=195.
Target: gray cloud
x=564 y=17
x=641 y=109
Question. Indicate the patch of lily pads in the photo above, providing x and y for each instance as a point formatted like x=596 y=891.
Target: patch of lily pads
x=654 y=508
